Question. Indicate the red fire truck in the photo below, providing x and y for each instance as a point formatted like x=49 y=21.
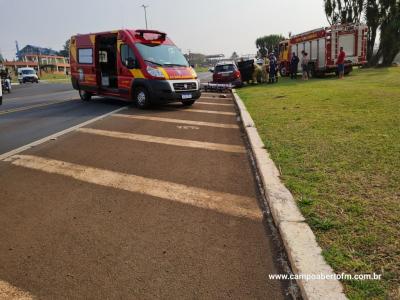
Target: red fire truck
x=143 y=66
x=323 y=46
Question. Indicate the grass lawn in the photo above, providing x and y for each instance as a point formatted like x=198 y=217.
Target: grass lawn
x=337 y=144
x=55 y=77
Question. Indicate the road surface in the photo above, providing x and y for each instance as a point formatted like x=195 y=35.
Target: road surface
x=159 y=203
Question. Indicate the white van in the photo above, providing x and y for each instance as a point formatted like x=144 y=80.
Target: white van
x=27 y=75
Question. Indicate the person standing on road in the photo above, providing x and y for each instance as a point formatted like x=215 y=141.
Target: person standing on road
x=294 y=64
x=304 y=64
x=340 y=63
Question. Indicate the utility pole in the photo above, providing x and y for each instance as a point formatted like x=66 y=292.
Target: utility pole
x=145 y=13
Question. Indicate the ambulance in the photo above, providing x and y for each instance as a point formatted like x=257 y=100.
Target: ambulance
x=140 y=66
x=323 y=47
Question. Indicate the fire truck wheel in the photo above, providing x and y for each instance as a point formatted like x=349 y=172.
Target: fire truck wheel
x=283 y=71
x=85 y=96
x=141 y=98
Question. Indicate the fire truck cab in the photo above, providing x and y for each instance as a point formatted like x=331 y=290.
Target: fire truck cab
x=323 y=46
x=143 y=66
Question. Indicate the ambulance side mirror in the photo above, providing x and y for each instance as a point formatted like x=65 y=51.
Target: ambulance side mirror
x=132 y=63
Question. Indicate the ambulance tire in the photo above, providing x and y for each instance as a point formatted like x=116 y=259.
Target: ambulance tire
x=141 y=97
x=85 y=96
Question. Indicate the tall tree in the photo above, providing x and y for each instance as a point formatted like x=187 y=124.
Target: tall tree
x=344 y=11
x=268 y=43
x=373 y=18
x=390 y=31
x=65 y=50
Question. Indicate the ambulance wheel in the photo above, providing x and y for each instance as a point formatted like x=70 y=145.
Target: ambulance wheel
x=85 y=96
x=141 y=97
x=188 y=103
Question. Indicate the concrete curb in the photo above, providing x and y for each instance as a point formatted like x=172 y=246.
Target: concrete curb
x=301 y=246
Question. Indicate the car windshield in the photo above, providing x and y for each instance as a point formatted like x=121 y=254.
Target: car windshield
x=224 y=68
x=28 y=72
x=164 y=55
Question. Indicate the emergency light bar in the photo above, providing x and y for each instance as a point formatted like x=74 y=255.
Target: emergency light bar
x=161 y=35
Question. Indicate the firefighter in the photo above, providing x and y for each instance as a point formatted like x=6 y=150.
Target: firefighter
x=257 y=72
x=266 y=69
x=294 y=65
x=272 y=68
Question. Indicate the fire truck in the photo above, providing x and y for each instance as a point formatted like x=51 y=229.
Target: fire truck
x=323 y=46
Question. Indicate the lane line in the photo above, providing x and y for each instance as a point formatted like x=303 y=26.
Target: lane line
x=18 y=109
x=56 y=135
x=40 y=95
x=212 y=103
x=238 y=206
x=165 y=140
x=177 y=121
x=211 y=112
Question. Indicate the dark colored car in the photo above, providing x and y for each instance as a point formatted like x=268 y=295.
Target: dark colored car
x=227 y=73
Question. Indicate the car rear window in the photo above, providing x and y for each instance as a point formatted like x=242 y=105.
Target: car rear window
x=224 y=68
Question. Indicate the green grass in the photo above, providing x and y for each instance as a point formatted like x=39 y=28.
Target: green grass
x=337 y=143
x=55 y=77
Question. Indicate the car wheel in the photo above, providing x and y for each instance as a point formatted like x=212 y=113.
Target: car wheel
x=85 y=96
x=188 y=103
x=141 y=97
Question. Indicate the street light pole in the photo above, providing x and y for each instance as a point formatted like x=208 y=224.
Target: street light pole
x=145 y=13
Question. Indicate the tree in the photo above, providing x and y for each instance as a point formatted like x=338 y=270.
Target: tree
x=344 y=11
x=268 y=43
x=234 y=56
x=372 y=16
x=65 y=50
x=390 y=31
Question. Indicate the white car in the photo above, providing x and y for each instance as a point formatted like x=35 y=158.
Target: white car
x=27 y=75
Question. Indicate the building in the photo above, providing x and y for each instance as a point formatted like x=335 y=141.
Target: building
x=33 y=56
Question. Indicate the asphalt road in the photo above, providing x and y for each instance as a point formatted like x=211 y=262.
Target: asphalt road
x=154 y=204
x=34 y=111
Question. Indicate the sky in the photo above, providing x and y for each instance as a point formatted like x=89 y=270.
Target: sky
x=202 y=26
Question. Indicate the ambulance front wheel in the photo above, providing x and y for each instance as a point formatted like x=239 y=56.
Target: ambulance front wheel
x=85 y=96
x=141 y=97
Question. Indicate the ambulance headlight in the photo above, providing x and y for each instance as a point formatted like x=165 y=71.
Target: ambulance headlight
x=155 y=72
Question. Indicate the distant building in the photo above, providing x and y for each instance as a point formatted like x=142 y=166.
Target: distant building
x=33 y=56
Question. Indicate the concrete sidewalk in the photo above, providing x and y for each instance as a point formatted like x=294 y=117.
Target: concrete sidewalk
x=142 y=204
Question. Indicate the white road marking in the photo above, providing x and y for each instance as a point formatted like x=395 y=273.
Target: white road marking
x=214 y=103
x=23 y=108
x=165 y=140
x=177 y=121
x=185 y=127
x=56 y=135
x=226 y=203
x=211 y=112
x=8 y=291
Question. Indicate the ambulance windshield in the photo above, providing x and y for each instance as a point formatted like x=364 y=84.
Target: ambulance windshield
x=164 y=55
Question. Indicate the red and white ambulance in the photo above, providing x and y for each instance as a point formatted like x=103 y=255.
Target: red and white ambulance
x=143 y=66
x=323 y=46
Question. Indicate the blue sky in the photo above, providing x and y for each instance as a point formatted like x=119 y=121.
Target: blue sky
x=207 y=26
